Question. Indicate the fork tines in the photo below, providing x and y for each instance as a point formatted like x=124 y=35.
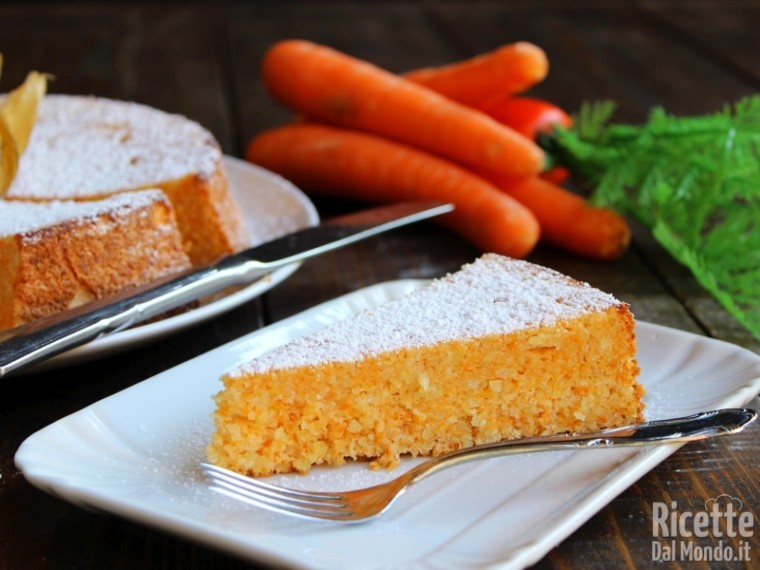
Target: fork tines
x=330 y=506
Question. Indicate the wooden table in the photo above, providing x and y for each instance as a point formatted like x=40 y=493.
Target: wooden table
x=202 y=60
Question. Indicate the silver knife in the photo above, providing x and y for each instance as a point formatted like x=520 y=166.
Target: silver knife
x=34 y=342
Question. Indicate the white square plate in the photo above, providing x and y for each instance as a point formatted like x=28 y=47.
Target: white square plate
x=136 y=454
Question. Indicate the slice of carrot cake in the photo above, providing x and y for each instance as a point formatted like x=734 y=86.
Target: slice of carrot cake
x=501 y=349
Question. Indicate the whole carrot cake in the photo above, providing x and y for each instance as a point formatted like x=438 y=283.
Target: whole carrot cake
x=87 y=148
x=501 y=349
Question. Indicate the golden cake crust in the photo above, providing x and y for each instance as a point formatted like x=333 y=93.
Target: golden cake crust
x=58 y=255
x=207 y=215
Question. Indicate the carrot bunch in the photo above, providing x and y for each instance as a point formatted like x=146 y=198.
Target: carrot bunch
x=456 y=133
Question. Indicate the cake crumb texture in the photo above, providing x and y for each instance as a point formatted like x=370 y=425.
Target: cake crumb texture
x=500 y=350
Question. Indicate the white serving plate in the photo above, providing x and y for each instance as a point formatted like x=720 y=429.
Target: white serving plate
x=136 y=454
x=271 y=207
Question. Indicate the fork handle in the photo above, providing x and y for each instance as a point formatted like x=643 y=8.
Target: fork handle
x=679 y=430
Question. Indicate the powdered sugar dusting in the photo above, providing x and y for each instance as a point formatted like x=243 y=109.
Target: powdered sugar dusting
x=19 y=217
x=493 y=295
x=90 y=146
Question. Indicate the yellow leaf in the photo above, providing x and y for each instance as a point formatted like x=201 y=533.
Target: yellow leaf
x=8 y=157
x=18 y=113
x=20 y=107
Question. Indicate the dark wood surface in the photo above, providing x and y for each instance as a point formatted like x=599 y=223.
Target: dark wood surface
x=201 y=60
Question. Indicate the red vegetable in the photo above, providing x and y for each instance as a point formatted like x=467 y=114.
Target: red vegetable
x=528 y=116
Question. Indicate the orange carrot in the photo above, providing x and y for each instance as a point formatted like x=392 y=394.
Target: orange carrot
x=330 y=161
x=329 y=86
x=511 y=69
x=566 y=219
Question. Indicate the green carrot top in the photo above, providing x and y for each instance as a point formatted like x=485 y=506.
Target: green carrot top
x=694 y=181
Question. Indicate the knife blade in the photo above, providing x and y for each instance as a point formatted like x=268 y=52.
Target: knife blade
x=34 y=342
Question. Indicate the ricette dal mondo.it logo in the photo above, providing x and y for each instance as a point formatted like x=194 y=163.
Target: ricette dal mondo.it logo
x=676 y=532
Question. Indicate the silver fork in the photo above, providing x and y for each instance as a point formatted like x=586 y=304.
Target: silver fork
x=361 y=504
